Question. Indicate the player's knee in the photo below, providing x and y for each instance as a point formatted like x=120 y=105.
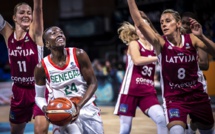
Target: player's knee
x=177 y=129
x=157 y=115
x=160 y=119
x=41 y=129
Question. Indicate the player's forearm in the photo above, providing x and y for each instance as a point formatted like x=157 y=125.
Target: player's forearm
x=40 y=96
x=89 y=93
x=209 y=43
x=135 y=14
x=38 y=17
x=144 y=60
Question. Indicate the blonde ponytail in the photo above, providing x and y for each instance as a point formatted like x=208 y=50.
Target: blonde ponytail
x=127 y=32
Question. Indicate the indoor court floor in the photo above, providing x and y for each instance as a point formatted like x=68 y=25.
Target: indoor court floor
x=141 y=123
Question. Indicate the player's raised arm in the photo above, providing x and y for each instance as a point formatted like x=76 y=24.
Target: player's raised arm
x=203 y=42
x=37 y=26
x=5 y=28
x=147 y=31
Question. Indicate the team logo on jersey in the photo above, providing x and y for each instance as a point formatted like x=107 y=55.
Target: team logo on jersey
x=72 y=64
x=26 y=39
x=12 y=41
x=19 y=48
x=123 y=108
x=180 y=54
x=187 y=46
x=169 y=47
x=143 y=50
x=174 y=113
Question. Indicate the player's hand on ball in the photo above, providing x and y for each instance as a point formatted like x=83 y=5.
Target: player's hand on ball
x=44 y=110
x=77 y=113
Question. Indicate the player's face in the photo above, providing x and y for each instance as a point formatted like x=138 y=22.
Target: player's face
x=186 y=24
x=168 y=24
x=55 y=38
x=23 y=16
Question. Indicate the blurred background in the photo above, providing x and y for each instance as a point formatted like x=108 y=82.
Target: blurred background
x=92 y=25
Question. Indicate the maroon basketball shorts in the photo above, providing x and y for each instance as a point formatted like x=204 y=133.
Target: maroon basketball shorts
x=127 y=104
x=199 y=111
x=22 y=103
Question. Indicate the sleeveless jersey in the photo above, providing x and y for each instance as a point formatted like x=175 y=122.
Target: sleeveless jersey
x=65 y=81
x=179 y=70
x=139 y=80
x=24 y=55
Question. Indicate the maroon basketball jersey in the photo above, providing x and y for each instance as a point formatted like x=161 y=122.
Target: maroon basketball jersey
x=23 y=57
x=139 y=80
x=179 y=69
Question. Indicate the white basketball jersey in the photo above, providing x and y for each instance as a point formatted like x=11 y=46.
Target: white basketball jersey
x=65 y=81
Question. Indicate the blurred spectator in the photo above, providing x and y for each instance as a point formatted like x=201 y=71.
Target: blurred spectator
x=98 y=70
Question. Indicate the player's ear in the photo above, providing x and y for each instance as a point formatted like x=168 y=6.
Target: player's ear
x=47 y=44
x=14 y=18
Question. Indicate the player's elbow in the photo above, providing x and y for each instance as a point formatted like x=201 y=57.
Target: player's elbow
x=94 y=85
x=136 y=63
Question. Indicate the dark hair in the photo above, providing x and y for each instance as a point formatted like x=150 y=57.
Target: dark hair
x=19 y=4
x=46 y=31
x=189 y=14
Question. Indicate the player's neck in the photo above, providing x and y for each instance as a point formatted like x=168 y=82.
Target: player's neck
x=146 y=44
x=19 y=34
x=59 y=57
x=175 y=40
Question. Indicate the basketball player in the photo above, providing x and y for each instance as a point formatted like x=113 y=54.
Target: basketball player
x=203 y=56
x=137 y=88
x=69 y=74
x=182 y=89
x=203 y=60
x=24 y=43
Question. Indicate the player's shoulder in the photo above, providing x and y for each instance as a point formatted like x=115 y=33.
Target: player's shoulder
x=133 y=42
x=80 y=52
x=39 y=65
x=39 y=69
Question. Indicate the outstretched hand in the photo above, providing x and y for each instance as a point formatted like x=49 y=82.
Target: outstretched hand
x=196 y=27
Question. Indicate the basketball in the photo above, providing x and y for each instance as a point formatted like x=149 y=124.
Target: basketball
x=75 y=99
x=60 y=111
